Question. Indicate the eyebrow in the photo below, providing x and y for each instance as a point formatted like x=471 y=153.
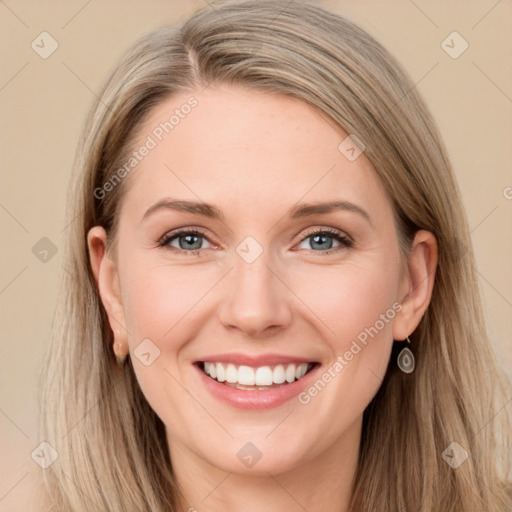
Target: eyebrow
x=197 y=208
x=297 y=212
x=304 y=210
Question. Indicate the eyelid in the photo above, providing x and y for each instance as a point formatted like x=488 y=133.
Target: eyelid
x=344 y=239
x=183 y=231
x=332 y=231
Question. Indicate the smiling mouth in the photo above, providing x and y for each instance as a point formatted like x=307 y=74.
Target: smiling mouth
x=261 y=378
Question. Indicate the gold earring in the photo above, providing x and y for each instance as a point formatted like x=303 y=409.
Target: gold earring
x=405 y=359
x=119 y=357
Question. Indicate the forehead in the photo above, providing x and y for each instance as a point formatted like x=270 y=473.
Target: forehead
x=245 y=149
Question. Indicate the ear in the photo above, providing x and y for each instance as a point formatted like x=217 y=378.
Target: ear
x=107 y=279
x=417 y=284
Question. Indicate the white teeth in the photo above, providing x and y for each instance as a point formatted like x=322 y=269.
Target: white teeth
x=246 y=376
x=264 y=376
x=231 y=374
x=261 y=376
x=289 y=373
x=301 y=370
x=278 y=375
x=221 y=373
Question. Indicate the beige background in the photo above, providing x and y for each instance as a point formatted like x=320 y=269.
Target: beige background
x=43 y=105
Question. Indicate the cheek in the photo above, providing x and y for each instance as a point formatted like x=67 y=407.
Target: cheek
x=157 y=297
x=350 y=299
x=358 y=303
x=158 y=303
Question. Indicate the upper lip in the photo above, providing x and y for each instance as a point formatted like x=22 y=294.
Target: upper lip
x=255 y=360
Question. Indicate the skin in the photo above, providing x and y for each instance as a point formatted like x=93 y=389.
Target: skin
x=254 y=156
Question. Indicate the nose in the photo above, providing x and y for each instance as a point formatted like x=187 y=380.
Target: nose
x=257 y=300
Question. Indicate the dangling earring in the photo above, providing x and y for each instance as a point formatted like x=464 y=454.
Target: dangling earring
x=405 y=359
x=119 y=358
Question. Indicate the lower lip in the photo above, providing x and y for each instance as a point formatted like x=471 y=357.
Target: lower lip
x=255 y=400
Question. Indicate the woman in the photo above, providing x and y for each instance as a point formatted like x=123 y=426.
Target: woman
x=270 y=299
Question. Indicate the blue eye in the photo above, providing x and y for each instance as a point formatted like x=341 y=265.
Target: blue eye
x=186 y=240
x=324 y=241
x=191 y=241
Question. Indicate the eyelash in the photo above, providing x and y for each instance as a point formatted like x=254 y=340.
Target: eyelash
x=345 y=243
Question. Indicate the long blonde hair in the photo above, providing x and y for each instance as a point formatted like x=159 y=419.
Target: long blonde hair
x=112 y=446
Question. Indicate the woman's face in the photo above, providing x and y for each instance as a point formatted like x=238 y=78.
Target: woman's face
x=287 y=262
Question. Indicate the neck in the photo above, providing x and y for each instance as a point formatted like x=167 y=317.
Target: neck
x=323 y=483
